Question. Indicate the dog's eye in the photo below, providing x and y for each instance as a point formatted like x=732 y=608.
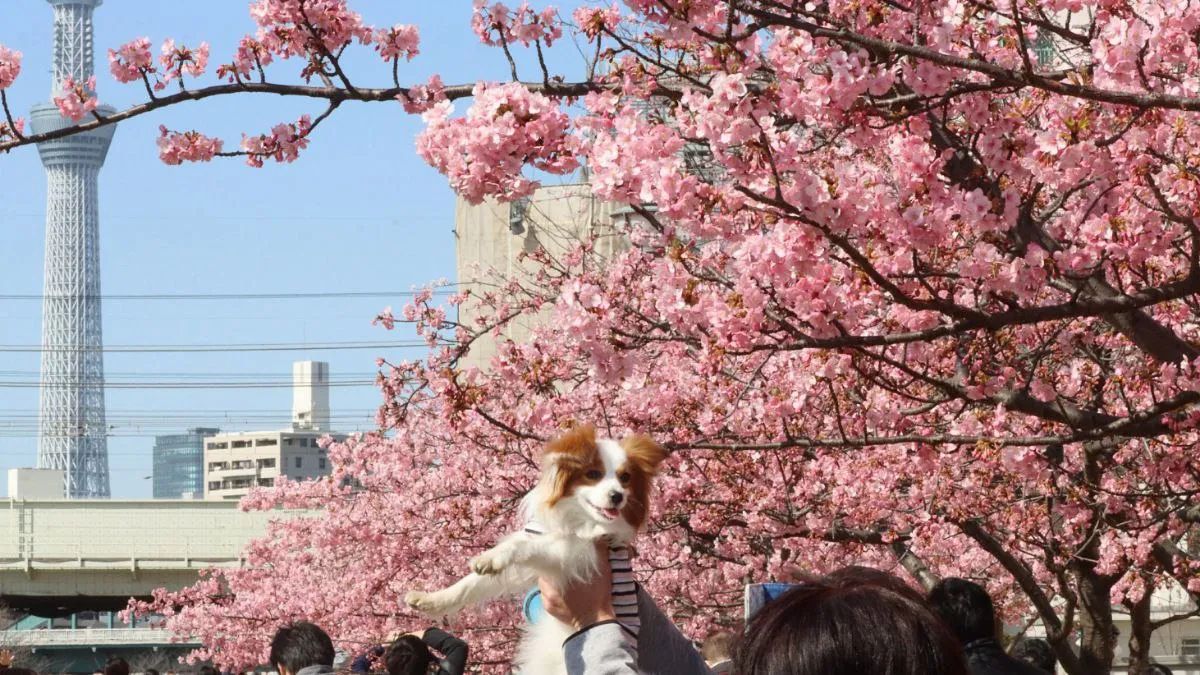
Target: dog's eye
x=594 y=475
x=624 y=477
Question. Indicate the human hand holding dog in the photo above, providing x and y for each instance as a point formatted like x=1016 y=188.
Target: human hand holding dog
x=581 y=604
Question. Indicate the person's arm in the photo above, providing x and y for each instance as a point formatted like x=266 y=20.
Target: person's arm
x=672 y=652
x=452 y=649
x=600 y=645
x=603 y=648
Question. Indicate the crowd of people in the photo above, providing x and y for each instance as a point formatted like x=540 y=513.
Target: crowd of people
x=853 y=621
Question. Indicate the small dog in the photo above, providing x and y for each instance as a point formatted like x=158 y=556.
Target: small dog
x=590 y=489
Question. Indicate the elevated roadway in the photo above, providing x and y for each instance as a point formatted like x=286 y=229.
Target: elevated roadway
x=63 y=556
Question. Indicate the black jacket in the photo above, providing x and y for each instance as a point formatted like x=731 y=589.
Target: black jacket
x=453 y=651
x=986 y=657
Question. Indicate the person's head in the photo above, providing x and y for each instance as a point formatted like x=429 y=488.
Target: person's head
x=300 y=645
x=965 y=607
x=407 y=655
x=849 y=622
x=207 y=670
x=1159 y=669
x=150 y=671
x=1037 y=653
x=717 y=647
x=116 y=666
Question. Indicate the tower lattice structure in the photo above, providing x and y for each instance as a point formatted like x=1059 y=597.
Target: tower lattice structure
x=71 y=423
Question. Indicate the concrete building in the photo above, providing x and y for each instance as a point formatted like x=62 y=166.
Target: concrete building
x=310 y=395
x=493 y=239
x=36 y=483
x=234 y=462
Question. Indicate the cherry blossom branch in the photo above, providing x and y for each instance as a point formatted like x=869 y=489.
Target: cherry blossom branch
x=331 y=94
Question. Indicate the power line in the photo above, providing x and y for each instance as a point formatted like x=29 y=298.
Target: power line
x=236 y=347
x=224 y=296
x=33 y=384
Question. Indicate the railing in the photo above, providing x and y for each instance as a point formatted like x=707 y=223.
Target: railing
x=89 y=637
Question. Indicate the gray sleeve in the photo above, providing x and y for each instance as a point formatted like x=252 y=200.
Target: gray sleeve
x=602 y=649
x=665 y=651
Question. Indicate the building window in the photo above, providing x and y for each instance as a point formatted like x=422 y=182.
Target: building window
x=268 y=463
x=266 y=482
x=242 y=444
x=299 y=462
x=1189 y=647
x=214 y=485
x=321 y=463
x=266 y=441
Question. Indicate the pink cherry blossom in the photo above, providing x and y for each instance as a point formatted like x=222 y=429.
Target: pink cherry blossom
x=495 y=23
x=421 y=98
x=283 y=144
x=190 y=146
x=77 y=100
x=398 y=41
x=10 y=66
x=131 y=61
x=181 y=60
x=251 y=55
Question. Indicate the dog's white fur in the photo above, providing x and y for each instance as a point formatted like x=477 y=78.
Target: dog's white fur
x=565 y=552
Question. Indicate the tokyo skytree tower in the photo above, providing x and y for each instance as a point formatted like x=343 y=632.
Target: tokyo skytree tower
x=71 y=424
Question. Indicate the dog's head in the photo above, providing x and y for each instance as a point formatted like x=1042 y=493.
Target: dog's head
x=597 y=484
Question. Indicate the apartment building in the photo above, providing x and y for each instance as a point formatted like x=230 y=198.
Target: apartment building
x=234 y=462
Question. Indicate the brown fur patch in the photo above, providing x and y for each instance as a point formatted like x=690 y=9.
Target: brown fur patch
x=573 y=454
x=643 y=458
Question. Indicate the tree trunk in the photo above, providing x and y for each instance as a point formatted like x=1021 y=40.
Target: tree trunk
x=1139 y=637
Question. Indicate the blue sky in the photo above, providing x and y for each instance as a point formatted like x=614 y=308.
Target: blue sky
x=359 y=212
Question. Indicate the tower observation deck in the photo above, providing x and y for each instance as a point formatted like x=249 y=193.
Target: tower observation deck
x=71 y=422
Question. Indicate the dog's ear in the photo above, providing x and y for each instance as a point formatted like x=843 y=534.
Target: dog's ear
x=578 y=442
x=644 y=451
x=566 y=458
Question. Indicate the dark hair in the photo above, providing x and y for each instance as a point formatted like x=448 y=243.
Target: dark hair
x=1159 y=669
x=1036 y=652
x=11 y=670
x=965 y=607
x=299 y=645
x=207 y=669
x=150 y=671
x=850 y=622
x=407 y=655
x=116 y=666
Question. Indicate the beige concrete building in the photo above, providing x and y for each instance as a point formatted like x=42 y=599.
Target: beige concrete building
x=493 y=238
x=234 y=462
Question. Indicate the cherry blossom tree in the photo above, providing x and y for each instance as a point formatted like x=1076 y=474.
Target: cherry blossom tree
x=910 y=285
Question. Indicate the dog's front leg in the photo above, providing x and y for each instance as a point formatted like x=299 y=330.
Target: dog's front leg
x=469 y=590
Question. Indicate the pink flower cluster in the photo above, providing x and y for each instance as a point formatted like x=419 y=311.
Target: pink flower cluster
x=283 y=144
x=77 y=99
x=421 y=98
x=176 y=147
x=399 y=41
x=592 y=21
x=506 y=128
x=10 y=66
x=178 y=61
x=251 y=56
x=304 y=28
x=496 y=23
x=131 y=61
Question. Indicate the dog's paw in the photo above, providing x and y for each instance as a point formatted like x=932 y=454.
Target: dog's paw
x=490 y=562
x=431 y=604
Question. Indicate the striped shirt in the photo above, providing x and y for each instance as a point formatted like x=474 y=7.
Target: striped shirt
x=624 y=587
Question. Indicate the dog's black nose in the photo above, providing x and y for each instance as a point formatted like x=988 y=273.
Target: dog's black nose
x=615 y=498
